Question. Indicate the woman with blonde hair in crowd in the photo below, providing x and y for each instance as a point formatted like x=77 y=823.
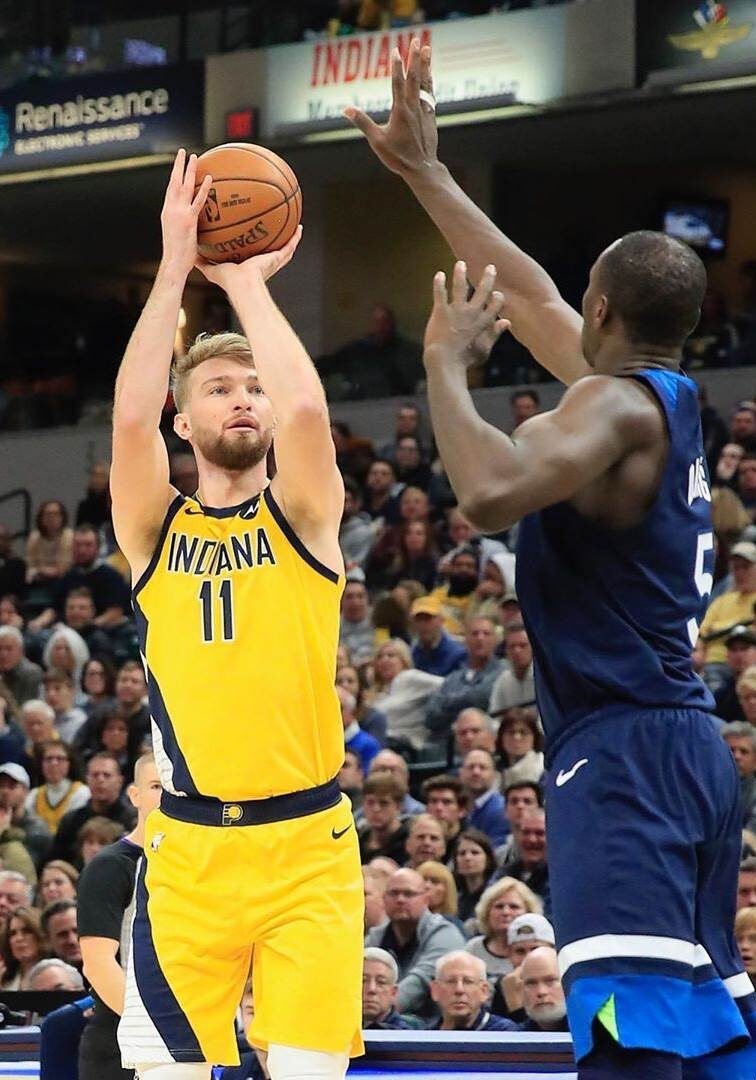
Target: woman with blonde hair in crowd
x=499 y=905
x=401 y=694
x=746 y=691
x=745 y=936
x=442 y=891
x=58 y=881
x=67 y=651
x=22 y=945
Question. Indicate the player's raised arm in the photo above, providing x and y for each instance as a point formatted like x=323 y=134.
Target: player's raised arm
x=497 y=479
x=541 y=320
x=311 y=484
x=139 y=474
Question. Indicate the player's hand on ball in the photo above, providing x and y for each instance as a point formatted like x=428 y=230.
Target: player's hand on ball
x=181 y=208
x=464 y=330
x=409 y=140
x=258 y=267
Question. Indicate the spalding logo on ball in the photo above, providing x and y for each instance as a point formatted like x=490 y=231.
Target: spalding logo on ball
x=254 y=205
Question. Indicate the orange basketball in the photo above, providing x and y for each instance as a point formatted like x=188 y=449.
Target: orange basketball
x=253 y=206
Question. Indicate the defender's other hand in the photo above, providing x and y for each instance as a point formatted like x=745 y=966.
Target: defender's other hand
x=463 y=330
x=409 y=141
x=181 y=208
x=257 y=268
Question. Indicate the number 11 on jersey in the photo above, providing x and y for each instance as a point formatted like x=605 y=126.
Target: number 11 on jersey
x=225 y=602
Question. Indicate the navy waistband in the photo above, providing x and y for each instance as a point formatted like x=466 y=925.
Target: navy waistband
x=205 y=811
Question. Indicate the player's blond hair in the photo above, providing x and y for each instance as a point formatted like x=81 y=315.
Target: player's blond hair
x=207 y=347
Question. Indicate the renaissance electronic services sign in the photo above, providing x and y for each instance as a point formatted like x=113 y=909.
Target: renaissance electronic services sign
x=477 y=63
x=48 y=124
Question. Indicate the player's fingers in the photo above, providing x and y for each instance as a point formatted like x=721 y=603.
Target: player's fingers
x=201 y=197
x=397 y=78
x=426 y=75
x=190 y=175
x=440 y=297
x=412 y=82
x=484 y=288
x=502 y=326
x=177 y=172
x=459 y=283
x=361 y=120
x=287 y=251
x=495 y=304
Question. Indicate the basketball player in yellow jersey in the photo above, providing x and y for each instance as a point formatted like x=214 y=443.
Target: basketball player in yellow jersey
x=252 y=856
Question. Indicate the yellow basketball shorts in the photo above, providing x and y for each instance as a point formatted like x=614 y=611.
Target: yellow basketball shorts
x=285 y=898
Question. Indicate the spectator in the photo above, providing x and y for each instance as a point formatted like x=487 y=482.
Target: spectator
x=485 y=801
x=410 y=467
x=94 y=508
x=434 y=651
x=21 y=676
x=98 y=679
x=381 y=364
x=474 y=863
x=746 y=691
x=462 y=534
x=515 y=686
x=60 y=695
x=96 y=834
x=416 y=937
x=746 y=488
x=14 y=792
x=54 y=974
x=542 y=994
x=468 y=686
x=14 y=854
x=370 y=720
x=729 y=519
x=380 y=975
x=509 y=612
x=130 y=695
x=105 y=782
x=15 y=893
x=446 y=801
x=183 y=472
x=49 y=549
x=442 y=890
x=59 y=792
x=525 y=933
x=381 y=500
x=79 y=614
x=712 y=342
x=12 y=569
x=410 y=553
x=713 y=429
x=391 y=762
x=67 y=651
x=473 y=730
x=22 y=945
x=741 y=654
x=426 y=841
x=519 y=798
x=58 y=881
x=356 y=532
x=356 y=631
x=407 y=423
x=532 y=868
x=499 y=905
x=382 y=830
x=112 y=731
x=10 y=612
x=747 y=883
x=11 y=739
x=59 y=926
x=496 y=582
x=351 y=778
x=726 y=470
x=375 y=886
x=38 y=726
x=524 y=404
x=456 y=596
x=403 y=694
x=519 y=746
x=728 y=610
x=108 y=589
x=460 y=989
x=390 y=618
x=745 y=936
x=355 y=738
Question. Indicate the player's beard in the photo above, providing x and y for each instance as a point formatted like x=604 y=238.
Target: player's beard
x=233 y=452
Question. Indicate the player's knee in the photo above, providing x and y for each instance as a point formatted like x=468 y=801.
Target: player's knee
x=290 y=1063
x=176 y=1070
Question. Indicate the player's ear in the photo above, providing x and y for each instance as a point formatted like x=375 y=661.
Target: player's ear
x=602 y=310
x=182 y=427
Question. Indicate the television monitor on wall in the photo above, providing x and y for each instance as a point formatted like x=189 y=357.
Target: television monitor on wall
x=702 y=223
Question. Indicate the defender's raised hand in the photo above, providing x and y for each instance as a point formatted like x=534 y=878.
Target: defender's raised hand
x=409 y=141
x=460 y=329
x=181 y=208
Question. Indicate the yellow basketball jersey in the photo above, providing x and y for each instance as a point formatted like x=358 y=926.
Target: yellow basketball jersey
x=239 y=627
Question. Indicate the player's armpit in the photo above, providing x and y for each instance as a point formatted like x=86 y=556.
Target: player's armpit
x=140 y=488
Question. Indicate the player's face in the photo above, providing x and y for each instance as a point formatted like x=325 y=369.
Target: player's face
x=227 y=418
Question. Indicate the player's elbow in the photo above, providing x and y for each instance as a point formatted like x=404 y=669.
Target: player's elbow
x=490 y=509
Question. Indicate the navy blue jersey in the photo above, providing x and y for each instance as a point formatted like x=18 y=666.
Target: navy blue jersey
x=612 y=613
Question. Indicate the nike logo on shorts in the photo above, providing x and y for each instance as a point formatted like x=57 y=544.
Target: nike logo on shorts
x=564 y=777
x=338 y=835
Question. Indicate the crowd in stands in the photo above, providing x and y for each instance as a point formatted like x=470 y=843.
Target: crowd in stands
x=443 y=742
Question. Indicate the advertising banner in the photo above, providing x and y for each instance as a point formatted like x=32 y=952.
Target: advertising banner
x=681 y=35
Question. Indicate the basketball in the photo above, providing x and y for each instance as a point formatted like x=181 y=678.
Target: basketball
x=254 y=205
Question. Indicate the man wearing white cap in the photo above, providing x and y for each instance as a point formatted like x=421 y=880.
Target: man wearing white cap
x=13 y=850
x=14 y=789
